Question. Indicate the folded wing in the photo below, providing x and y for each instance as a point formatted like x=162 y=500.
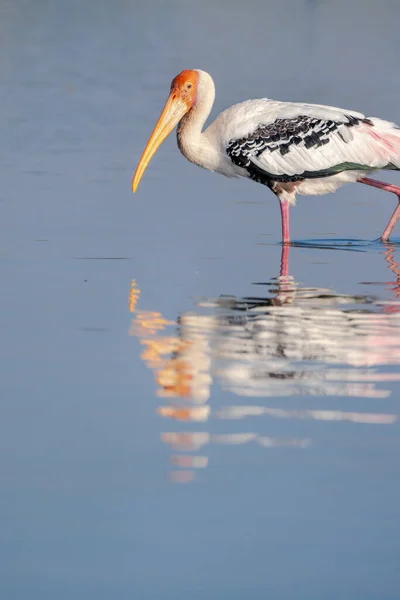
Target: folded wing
x=290 y=142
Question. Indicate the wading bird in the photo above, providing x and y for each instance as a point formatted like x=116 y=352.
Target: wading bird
x=292 y=148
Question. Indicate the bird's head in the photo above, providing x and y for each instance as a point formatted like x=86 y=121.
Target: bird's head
x=180 y=100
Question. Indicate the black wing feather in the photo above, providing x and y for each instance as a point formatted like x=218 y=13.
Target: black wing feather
x=280 y=135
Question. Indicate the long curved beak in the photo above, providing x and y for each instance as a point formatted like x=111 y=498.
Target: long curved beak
x=173 y=111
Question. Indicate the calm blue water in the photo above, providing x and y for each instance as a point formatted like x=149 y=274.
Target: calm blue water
x=176 y=421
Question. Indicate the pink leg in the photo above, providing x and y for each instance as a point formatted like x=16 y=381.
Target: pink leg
x=285 y=221
x=387 y=187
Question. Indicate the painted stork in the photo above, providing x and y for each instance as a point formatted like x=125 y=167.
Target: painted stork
x=292 y=148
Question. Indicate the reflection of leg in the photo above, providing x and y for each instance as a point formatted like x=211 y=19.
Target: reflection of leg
x=387 y=187
x=285 y=221
x=394 y=267
x=284 y=272
x=286 y=284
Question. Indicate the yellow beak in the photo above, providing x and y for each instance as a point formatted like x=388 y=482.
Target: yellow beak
x=174 y=109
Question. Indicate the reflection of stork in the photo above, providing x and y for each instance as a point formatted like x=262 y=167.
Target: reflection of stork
x=268 y=339
x=292 y=148
x=288 y=341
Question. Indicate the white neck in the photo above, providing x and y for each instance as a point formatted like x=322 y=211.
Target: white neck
x=194 y=145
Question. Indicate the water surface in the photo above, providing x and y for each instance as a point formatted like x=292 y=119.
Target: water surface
x=177 y=420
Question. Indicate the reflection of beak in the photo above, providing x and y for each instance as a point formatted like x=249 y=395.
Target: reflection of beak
x=172 y=113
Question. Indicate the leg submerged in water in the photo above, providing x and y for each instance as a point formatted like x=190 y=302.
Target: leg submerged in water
x=387 y=187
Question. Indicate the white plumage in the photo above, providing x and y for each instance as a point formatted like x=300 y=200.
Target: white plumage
x=372 y=145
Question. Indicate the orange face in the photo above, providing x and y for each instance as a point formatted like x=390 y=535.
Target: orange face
x=181 y=99
x=184 y=86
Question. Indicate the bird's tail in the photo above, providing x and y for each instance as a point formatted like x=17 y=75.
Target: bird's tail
x=386 y=137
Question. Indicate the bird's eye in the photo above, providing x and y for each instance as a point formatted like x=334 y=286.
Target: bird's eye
x=189 y=85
